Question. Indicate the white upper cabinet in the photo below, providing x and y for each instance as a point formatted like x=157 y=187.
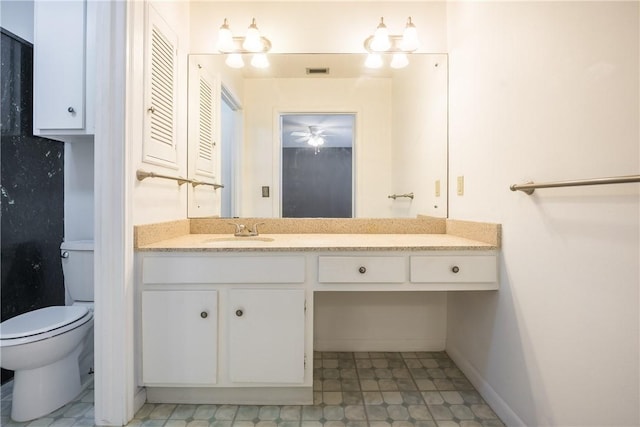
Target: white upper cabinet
x=204 y=123
x=160 y=92
x=64 y=67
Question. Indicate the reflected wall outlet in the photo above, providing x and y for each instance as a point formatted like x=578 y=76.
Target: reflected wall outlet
x=265 y=191
x=438 y=188
x=460 y=185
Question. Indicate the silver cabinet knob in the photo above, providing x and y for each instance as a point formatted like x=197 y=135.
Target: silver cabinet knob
x=455 y=269
x=204 y=314
x=239 y=313
x=151 y=109
x=362 y=270
x=64 y=254
x=71 y=110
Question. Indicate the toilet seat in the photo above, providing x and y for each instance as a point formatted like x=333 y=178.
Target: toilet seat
x=42 y=324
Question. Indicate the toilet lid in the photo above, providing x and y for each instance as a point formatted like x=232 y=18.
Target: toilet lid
x=41 y=320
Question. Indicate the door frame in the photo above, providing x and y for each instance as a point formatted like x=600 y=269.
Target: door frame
x=278 y=112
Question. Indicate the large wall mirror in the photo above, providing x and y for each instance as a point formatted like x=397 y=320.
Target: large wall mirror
x=244 y=124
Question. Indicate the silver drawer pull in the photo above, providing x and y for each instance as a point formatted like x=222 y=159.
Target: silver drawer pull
x=455 y=269
x=362 y=270
x=204 y=314
x=71 y=110
x=239 y=313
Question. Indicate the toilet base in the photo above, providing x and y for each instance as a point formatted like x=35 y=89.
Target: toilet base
x=40 y=391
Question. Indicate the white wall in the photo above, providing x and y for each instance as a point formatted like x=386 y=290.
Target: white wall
x=380 y=321
x=549 y=91
x=78 y=190
x=368 y=98
x=16 y=16
x=309 y=27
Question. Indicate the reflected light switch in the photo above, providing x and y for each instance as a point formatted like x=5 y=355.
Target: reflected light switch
x=460 y=185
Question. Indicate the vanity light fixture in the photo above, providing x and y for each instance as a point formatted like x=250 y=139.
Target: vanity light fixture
x=382 y=42
x=252 y=43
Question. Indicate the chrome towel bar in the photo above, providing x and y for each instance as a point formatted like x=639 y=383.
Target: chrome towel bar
x=395 y=196
x=215 y=186
x=530 y=187
x=141 y=174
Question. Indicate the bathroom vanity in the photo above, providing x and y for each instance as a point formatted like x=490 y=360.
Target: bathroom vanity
x=227 y=319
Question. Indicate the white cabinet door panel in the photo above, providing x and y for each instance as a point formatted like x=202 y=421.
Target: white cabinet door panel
x=179 y=337
x=59 y=61
x=266 y=335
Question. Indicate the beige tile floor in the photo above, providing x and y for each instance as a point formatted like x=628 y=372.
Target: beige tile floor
x=423 y=389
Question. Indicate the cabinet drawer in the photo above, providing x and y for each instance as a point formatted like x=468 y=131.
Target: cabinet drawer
x=361 y=269
x=454 y=269
x=202 y=269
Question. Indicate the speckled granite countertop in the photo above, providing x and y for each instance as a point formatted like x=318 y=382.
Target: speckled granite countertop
x=315 y=242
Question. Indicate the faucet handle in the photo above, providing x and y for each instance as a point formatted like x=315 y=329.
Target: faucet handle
x=239 y=227
x=254 y=231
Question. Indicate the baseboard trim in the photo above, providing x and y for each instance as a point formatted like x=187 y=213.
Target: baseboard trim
x=232 y=395
x=378 y=345
x=487 y=392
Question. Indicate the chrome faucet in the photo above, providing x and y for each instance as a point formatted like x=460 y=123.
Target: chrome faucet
x=244 y=231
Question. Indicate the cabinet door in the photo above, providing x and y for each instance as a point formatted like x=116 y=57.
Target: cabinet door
x=59 y=61
x=161 y=91
x=204 y=116
x=179 y=337
x=266 y=335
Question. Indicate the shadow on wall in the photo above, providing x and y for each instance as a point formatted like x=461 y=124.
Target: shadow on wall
x=481 y=325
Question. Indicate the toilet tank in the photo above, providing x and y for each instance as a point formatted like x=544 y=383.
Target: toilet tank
x=77 y=267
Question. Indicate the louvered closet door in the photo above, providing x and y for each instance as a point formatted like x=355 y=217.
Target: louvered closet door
x=208 y=133
x=161 y=75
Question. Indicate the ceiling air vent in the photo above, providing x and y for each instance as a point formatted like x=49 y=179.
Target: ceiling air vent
x=317 y=71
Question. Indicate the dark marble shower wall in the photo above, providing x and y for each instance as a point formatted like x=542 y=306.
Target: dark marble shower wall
x=32 y=193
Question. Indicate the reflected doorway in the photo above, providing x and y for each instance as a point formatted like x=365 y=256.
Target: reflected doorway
x=317 y=165
x=231 y=135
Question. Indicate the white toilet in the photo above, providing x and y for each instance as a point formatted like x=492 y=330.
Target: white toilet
x=51 y=349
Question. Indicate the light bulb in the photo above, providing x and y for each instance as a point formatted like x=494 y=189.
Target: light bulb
x=252 y=41
x=260 y=60
x=381 y=42
x=225 y=38
x=399 y=60
x=234 y=60
x=374 y=60
x=409 y=37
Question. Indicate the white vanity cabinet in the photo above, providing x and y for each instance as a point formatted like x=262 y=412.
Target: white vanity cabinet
x=261 y=303
x=179 y=337
x=64 y=67
x=230 y=323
